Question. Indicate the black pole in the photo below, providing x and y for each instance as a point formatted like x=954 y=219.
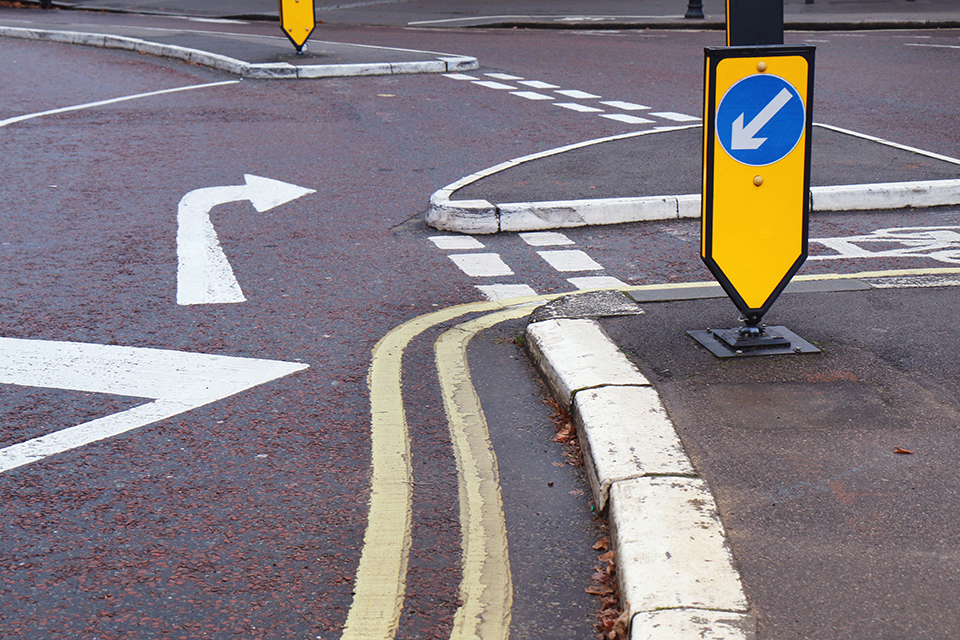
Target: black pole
x=694 y=9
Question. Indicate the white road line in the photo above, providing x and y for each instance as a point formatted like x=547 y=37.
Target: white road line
x=490 y=84
x=494 y=292
x=101 y=103
x=537 y=84
x=578 y=95
x=175 y=381
x=674 y=116
x=456 y=242
x=624 y=118
x=924 y=44
x=574 y=106
x=531 y=95
x=628 y=119
x=895 y=145
x=570 y=260
x=545 y=238
x=481 y=265
x=626 y=106
x=458 y=76
x=596 y=282
x=915 y=282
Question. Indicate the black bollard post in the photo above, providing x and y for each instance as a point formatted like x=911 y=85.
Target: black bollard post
x=694 y=9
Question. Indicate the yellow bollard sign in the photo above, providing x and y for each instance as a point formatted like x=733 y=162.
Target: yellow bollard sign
x=758 y=108
x=297 y=19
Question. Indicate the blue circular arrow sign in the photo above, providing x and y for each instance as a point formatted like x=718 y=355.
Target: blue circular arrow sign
x=760 y=120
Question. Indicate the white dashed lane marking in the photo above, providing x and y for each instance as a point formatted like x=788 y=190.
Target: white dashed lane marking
x=490 y=84
x=545 y=238
x=575 y=94
x=570 y=260
x=505 y=291
x=626 y=106
x=596 y=282
x=481 y=265
x=456 y=243
x=491 y=265
x=576 y=106
x=676 y=117
x=531 y=95
x=626 y=118
x=536 y=84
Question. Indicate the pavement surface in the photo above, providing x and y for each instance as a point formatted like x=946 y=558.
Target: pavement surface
x=831 y=472
x=859 y=431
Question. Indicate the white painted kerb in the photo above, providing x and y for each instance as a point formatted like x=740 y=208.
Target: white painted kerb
x=481 y=216
x=674 y=565
x=444 y=63
x=577 y=354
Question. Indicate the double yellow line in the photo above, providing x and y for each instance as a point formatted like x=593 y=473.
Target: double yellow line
x=485 y=588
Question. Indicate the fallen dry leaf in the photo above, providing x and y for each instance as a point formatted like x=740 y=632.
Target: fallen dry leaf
x=904 y=451
x=622 y=624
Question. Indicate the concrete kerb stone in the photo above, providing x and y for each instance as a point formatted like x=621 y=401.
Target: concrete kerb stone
x=621 y=445
x=675 y=567
x=443 y=64
x=577 y=354
x=484 y=217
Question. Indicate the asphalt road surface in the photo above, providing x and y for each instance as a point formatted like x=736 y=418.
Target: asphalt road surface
x=244 y=514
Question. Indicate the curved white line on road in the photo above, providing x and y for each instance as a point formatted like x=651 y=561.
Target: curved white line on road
x=101 y=103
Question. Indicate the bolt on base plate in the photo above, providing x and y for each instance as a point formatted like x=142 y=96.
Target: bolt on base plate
x=771 y=341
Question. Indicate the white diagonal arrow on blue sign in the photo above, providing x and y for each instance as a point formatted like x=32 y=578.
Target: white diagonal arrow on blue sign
x=760 y=119
x=743 y=137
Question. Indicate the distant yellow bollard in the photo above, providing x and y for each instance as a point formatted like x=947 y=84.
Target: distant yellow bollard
x=297 y=20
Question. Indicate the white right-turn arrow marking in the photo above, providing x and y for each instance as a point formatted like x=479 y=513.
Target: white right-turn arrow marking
x=742 y=137
x=204 y=275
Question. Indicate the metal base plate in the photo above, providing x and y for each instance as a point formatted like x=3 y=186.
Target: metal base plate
x=779 y=341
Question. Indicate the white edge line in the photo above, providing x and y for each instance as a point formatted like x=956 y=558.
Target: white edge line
x=100 y=103
x=535 y=16
x=924 y=44
x=895 y=145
